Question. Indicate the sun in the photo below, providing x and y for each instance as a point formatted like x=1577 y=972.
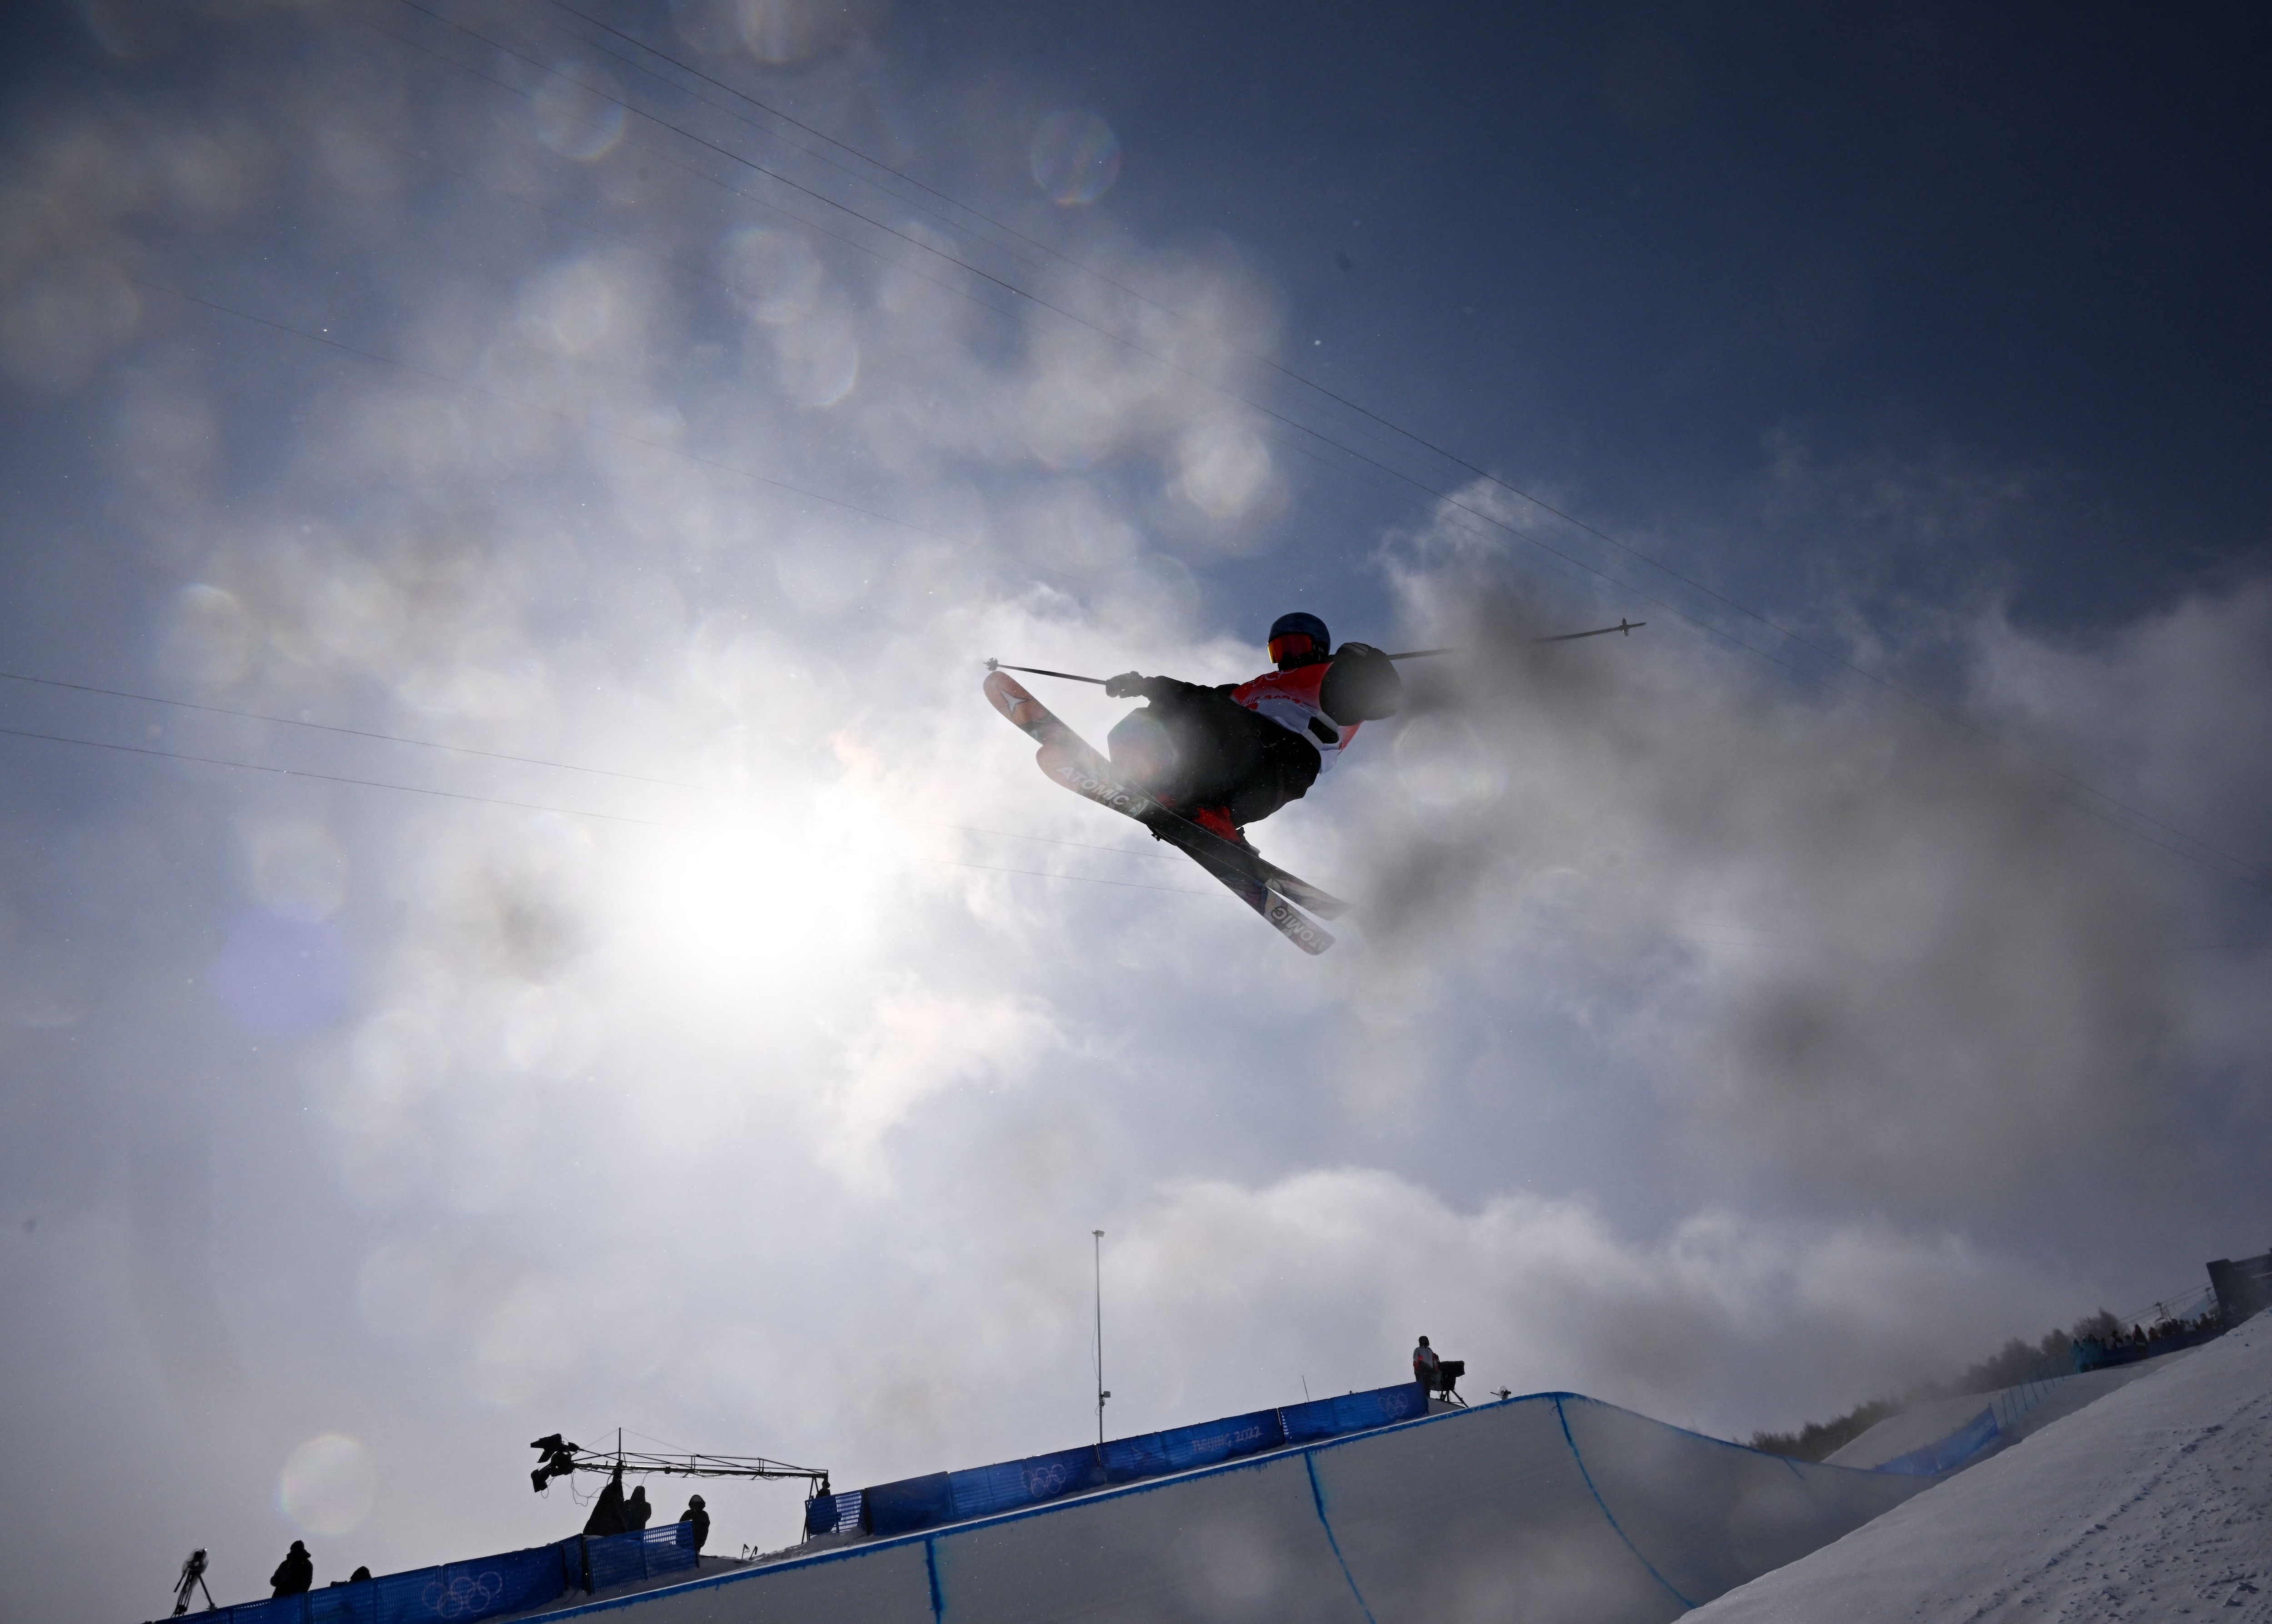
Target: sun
x=749 y=903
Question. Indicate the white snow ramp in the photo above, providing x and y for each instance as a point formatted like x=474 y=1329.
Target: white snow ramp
x=2154 y=1503
x=1551 y=1508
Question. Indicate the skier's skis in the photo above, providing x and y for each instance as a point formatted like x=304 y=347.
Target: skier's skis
x=1086 y=774
x=1262 y=885
x=1067 y=766
x=1038 y=722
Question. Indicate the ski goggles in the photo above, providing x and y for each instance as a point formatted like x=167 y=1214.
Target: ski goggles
x=1293 y=646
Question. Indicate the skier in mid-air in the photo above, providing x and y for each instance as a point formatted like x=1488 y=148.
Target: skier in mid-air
x=1229 y=756
x=1197 y=765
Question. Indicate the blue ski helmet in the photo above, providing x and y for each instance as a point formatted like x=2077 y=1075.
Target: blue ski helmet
x=1286 y=648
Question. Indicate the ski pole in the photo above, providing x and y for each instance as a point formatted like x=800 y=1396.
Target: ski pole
x=1035 y=670
x=1625 y=626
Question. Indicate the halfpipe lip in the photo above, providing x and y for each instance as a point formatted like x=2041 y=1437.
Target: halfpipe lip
x=870 y=1547
x=1251 y=1463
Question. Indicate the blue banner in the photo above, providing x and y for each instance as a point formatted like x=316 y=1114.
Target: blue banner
x=1354 y=1413
x=910 y=1504
x=942 y=1497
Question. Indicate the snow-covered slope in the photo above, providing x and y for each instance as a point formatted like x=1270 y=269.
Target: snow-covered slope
x=2150 y=1504
x=1915 y=1428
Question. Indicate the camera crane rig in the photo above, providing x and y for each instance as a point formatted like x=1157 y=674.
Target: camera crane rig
x=561 y=1458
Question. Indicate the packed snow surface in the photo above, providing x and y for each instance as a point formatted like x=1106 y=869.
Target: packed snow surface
x=2154 y=1503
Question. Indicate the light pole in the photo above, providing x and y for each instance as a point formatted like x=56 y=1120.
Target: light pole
x=1096 y=1246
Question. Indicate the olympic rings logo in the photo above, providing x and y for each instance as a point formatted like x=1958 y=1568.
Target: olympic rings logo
x=466 y=1596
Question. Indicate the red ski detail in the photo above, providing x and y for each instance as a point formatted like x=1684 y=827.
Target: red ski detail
x=1216 y=822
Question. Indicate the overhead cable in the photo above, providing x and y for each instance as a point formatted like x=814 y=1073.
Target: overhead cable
x=565 y=812
x=1506 y=525
x=499 y=755
x=1473 y=469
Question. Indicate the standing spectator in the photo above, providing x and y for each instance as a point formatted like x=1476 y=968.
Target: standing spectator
x=294 y=1573
x=700 y=1518
x=1424 y=1365
x=636 y=1511
x=607 y=1510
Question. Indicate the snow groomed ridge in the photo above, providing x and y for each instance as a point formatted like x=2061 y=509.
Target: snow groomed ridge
x=1551 y=1507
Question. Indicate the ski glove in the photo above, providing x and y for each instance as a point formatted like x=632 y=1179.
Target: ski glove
x=1132 y=687
x=1361 y=686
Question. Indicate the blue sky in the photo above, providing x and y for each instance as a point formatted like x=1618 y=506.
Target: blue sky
x=674 y=1002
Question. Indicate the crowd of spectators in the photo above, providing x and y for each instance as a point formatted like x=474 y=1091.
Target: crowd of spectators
x=297 y=1573
x=2139 y=1333
x=613 y=1512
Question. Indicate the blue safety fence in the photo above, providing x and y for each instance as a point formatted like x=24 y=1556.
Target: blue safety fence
x=626 y=1559
x=981 y=1491
x=942 y=1497
x=2002 y=1416
x=1185 y=1447
x=836 y=1514
x=910 y=1503
x=1943 y=1453
x=459 y=1592
x=2005 y=1410
x=1354 y=1413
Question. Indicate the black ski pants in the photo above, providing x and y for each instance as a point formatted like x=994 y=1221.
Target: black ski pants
x=1193 y=746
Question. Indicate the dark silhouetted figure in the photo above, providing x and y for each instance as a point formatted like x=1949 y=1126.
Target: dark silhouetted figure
x=700 y=1518
x=294 y=1573
x=607 y=1511
x=637 y=1511
x=359 y=1576
x=1229 y=756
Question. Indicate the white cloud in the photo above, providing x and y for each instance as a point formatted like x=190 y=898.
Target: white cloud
x=1724 y=1322
x=914 y=1044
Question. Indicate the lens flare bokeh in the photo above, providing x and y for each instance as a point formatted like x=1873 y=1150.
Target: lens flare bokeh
x=779 y=277
x=327 y=1486
x=576 y=115
x=1075 y=157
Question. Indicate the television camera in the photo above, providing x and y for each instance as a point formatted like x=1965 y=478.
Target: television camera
x=193 y=1578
